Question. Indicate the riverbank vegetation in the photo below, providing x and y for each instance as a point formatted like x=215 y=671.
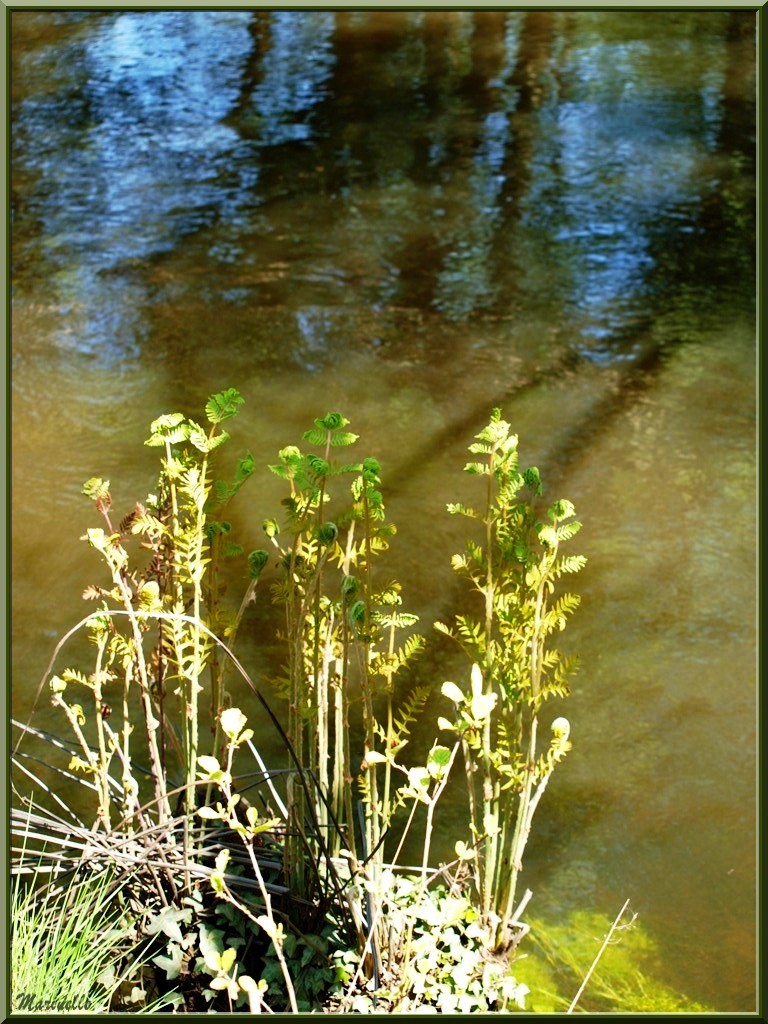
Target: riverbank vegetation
x=237 y=885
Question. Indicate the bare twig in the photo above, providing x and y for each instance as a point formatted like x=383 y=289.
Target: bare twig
x=600 y=952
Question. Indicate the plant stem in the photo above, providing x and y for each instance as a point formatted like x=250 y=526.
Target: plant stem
x=600 y=952
x=491 y=845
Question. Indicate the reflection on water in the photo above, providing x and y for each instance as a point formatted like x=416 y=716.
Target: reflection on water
x=412 y=217
x=294 y=72
x=176 y=122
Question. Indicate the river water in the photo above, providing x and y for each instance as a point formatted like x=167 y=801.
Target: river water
x=414 y=217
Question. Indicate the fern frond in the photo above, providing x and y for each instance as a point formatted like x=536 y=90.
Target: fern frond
x=567 y=530
x=553 y=689
x=470 y=630
x=563 y=607
x=457 y=508
x=145 y=523
x=343 y=439
x=400 y=620
x=223 y=405
x=408 y=713
x=475 y=552
x=569 y=564
x=413 y=646
x=478 y=448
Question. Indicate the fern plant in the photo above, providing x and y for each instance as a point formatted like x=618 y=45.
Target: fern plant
x=171 y=594
x=514 y=567
x=343 y=636
x=349 y=646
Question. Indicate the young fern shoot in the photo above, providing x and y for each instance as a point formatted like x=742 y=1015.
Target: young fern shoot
x=515 y=671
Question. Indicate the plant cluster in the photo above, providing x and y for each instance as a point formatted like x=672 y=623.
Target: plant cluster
x=279 y=888
x=74 y=943
x=514 y=568
x=440 y=955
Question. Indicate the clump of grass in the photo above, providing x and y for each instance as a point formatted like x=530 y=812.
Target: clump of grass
x=66 y=940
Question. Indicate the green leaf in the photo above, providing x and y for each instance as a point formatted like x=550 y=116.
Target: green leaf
x=210 y=939
x=457 y=508
x=96 y=488
x=245 y=467
x=418 y=783
x=57 y=684
x=477 y=448
x=208 y=813
x=561 y=509
x=327 y=533
x=357 y=612
x=452 y=692
x=216 y=440
x=257 y=825
x=439 y=756
x=532 y=478
x=201 y=439
x=168 y=921
x=343 y=439
x=227 y=959
x=233 y=721
x=567 y=530
x=170 y=964
x=149 y=597
x=315 y=437
x=212 y=959
x=318 y=466
x=332 y=421
x=223 y=405
x=216 y=527
x=570 y=564
x=167 y=429
x=145 y=523
x=271 y=527
x=72 y=675
x=547 y=535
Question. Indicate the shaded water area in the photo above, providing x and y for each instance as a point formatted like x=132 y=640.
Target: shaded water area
x=414 y=217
